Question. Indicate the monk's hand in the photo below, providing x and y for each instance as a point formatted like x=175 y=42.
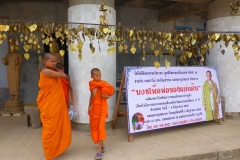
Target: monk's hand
x=89 y=108
x=105 y=96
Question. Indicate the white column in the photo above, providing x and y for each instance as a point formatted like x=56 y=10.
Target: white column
x=79 y=70
x=221 y=20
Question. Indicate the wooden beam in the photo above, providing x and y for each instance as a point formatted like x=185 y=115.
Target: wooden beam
x=180 y=10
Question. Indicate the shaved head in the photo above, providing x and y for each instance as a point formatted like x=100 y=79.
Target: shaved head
x=47 y=55
x=94 y=70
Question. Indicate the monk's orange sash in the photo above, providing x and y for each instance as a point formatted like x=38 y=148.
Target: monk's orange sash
x=56 y=128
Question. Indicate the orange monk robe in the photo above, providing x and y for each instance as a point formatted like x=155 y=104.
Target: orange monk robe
x=99 y=109
x=56 y=128
x=64 y=84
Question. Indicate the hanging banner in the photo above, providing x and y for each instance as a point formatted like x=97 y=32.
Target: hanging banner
x=166 y=97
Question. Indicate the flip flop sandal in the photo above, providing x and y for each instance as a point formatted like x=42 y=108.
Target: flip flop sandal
x=100 y=155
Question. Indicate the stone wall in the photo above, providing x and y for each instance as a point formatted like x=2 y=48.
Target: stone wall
x=34 y=11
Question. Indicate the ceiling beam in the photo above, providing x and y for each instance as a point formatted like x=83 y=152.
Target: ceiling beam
x=180 y=10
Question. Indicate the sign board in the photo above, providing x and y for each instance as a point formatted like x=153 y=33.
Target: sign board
x=166 y=97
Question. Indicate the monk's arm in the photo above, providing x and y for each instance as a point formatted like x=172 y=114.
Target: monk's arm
x=58 y=70
x=93 y=94
x=54 y=74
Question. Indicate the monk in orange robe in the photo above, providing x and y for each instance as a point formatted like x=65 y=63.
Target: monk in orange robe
x=66 y=86
x=98 y=109
x=56 y=128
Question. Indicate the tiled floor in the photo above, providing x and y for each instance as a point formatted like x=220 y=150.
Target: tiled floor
x=18 y=142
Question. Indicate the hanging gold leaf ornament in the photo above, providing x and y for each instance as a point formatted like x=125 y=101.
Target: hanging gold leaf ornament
x=235 y=46
x=120 y=48
x=217 y=35
x=236 y=55
x=62 y=52
x=4 y=36
x=131 y=32
x=133 y=50
x=226 y=44
x=80 y=56
x=92 y=48
x=193 y=41
x=32 y=27
x=210 y=45
x=156 y=64
x=105 y=30
x=167 y=63
x=66 y=31
x=46 y=41
x=58 y=34
x=4 y=28
x=73 y=48
x=26 y=48
x=26 y=55
x=156 y=52
x=152 y=46
x=80 y=27
x=111 y=50
x=189 y=54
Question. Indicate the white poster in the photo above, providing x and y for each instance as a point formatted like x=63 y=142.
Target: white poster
x=166 y=97
x=3 y=68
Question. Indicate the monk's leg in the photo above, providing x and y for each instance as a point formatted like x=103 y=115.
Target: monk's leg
x=100 y=145
x=94 y=123
x=102 y=133
x=99 y=151
x=102 y=130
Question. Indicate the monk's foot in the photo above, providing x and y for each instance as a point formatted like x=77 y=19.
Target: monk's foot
x=99 y=156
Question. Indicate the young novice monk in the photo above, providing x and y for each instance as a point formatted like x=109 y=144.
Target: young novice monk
x=56 y=128
x=98 y=109
x=66 y=86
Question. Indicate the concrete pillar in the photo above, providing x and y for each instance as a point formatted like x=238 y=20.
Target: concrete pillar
x=219 y=19
x=87 y=11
